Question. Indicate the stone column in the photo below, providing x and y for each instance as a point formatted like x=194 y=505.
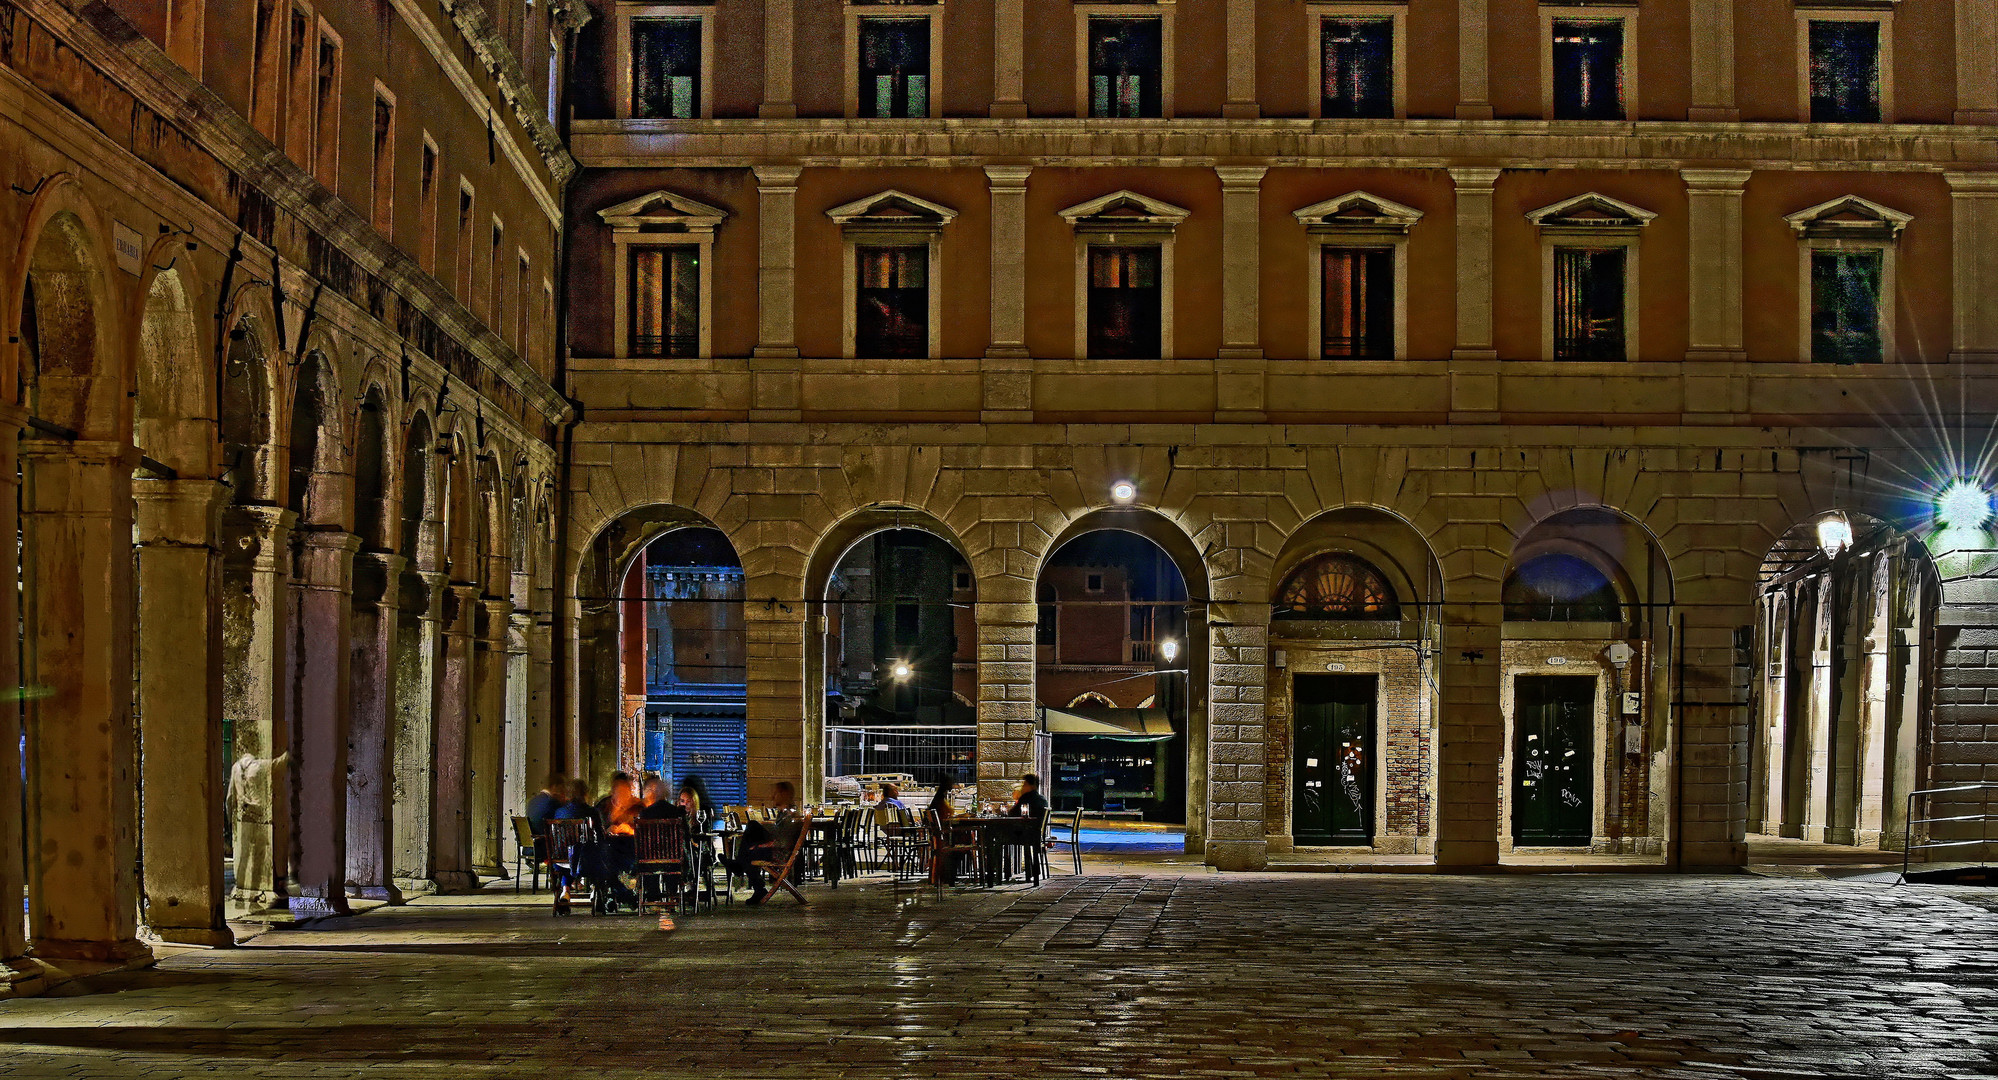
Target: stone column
x=451 y=825
x=16 y=970
x=779 y=743
x=255 y=695
x=523 y=769
x=1817 y=726
x=1973 y=204
x=775 y=384
x=1007 y=373
x=543 y=733
x=325 y=584
x=1239 y=370
x=1006 y=705
x=1976 y=62
x=1474 y=98
x=180 y=708
x=1470 y=720
x=370 y=764
x=488 y=737
x=1875 y=642
x=82 y=805
x=1009 y=62
x=1713 y=62
x=1709 y=807
x=1235 y=769
x=778 y=31
x=1775 y=710
x=413 y=732
x=1241 y=103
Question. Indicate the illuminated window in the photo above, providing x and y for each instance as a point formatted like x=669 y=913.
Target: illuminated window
x=1356 y=73
x=1356 y=312
x=666 y=301
x=1124 y=310
x=891 y=298
x=1335 y=586
x=666 y=68
x=1560 y=588
x=1125 y=67
x=894 y=65
x=1588 y=69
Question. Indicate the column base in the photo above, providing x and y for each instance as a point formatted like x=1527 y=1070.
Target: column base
x=24 y=976
x=387 y=894
x=197 y=936
x=314 y=908
x=1466 y=854
x=1474 y=112
x=1241 y=110
x=1237 y=854
x=456 y=882
x=415 y=887
x=130 y=952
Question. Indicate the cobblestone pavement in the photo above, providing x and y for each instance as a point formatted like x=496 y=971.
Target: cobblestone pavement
x=1141 y=974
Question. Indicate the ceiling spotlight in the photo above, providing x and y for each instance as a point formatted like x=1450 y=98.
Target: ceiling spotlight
x=901 y=671
x=1963 y=505
x=1123 y=491
x=1834 y=535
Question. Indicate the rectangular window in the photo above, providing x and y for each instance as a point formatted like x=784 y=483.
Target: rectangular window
x=522 y=307
x=1588 y=69
x=383 y=189
x=1845 y=72
x=666 y=301
x=1357 y=69
x=894 y=67
x=666 y=68
x=465 y=258
x=1125 y=66
x=1357 y=308
x=426 y=208
x=1588 y=303
x=300 y=72
x=554 y=102
x=1124 y=302
x=892 y=302
x=496 y=281
x=1845 y=307
x=326 y=162
x=267 y=36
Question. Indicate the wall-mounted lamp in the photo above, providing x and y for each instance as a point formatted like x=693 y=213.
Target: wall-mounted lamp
x=1963 y=504
x=900 y=671
x=1123 y=491
x=1168 y=649
x=1834 y=534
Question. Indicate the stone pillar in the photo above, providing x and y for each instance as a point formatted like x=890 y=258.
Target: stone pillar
x=779 y=742
x=523 y=769
x=1714 y=313
x=1710 y=800
x=451 y=825
x=1713 y=63
x=325 y=584
x=82 y=804
x=1976 y=62
x=488 y=738
x=180 y=708
x=1474 y=376
x=1235 y=769
x=1973 y=205
x=255 y=695
x=1875 y=642
x=16 y=970
x=1241 y=103
x=1775 y=710
x=1007 y=374
x=370 y=765
x=778 y=31
x=1817 y=718
x=775 y=382
x=1474 y=98
x=1009 y=63
x=1470 y=720
x=413 y=732
x=543 y=733
x=1006 y=705
x=1239 y=370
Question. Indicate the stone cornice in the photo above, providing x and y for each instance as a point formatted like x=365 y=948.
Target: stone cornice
x=476 y=25
x=1282 y=142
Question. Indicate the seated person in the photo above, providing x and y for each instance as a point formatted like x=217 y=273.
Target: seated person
x=616 y=853
x=940 y=802
x=768 y=842
x=891 y=796
x=694 y=796
x=656 y=806
x=1029 y=802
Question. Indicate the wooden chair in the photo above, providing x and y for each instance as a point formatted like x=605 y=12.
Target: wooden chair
x=661 y=844
x=780 y=873
x=904 y=847
x=567 y=838
x=1049 y=841
x=526 y=852
x=943 y=847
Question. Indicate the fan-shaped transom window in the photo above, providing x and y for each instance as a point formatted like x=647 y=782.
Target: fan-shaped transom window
x=1560 y=588
x=1335 y=586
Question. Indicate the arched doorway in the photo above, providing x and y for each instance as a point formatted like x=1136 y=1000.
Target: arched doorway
x=1587 y=597
x=684 y=663
x=419 y=642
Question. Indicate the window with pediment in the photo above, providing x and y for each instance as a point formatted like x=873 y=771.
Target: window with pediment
x=1357 y=303
x=1846 y=270
x=1589 y=245
x=664 y=283
x=893 y=257
x=1124 y=275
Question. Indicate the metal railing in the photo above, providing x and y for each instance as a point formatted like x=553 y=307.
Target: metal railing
x=1908 y=845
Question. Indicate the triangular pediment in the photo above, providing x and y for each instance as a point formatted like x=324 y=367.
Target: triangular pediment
x=1849 y=214
x=1359 y=208
x=1592 y=210
x=892 y=208
x=662 y=208
x=1126 y=208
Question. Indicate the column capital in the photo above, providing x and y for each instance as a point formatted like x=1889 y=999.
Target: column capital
x=1971 y=183
x=1727 y=180
x=1473 y=177
x=326 y=559
x=777 y=177
x=180 y=513
x=1008 y=176
x=1242 y=176
x=376 y=574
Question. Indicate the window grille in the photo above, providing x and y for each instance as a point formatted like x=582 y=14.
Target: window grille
x=1125 y=65
x=1845 y=72
x=1334 y=586
x=1357 y=308
x=1588 y=70
x=666 y=68
x=666 y=301
x=894 y=67
x=1357 y=69
x=1124 y=302
x=892 y=302
x=1845 y=307
x=1588 y=303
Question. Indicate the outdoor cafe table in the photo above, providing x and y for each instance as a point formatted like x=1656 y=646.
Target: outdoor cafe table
x=995 y=836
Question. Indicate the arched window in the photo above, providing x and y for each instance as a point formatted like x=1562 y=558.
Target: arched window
x=1560 y=588
x=1334 y=586
x=1091 y=699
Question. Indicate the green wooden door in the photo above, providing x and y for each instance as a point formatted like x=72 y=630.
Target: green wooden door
x=1333 y=766
x=1553 y=768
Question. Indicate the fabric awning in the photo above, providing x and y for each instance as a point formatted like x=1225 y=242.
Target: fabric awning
x=1126 y=725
